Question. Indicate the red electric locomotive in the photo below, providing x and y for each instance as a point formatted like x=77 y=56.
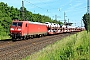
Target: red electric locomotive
x=27 y=29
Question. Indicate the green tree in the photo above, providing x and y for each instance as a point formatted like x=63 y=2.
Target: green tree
x=86 y=20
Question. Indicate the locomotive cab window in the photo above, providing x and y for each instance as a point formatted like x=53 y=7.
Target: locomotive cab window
x=14 y=24
x=20 y=24
x=17 y=24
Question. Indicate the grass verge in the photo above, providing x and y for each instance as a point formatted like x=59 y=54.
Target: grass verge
x=4 y=37
x=74 y=47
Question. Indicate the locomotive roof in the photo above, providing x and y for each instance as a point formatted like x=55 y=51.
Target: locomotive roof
x=29 y=22
x=19 y=21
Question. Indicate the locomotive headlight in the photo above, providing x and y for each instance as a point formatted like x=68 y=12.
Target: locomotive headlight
x=12 y=29
x=19 y=29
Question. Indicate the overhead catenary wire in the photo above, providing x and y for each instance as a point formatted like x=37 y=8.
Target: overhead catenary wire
x=47 y=10
x=33 y=4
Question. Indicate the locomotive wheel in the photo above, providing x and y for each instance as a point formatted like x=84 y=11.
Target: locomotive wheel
x=27 y=37
x=23 y=37
x=32 y=36
x=40 y=35
x=13 y=39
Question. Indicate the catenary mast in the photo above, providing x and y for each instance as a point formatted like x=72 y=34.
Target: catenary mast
x=88 y=7
x=23 y=10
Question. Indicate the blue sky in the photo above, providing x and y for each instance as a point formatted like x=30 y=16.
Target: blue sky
x=74 y=9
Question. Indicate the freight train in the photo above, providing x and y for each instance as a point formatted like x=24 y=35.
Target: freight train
x=27 y=29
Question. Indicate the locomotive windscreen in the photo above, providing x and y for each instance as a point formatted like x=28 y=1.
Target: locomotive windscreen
x=17 y=24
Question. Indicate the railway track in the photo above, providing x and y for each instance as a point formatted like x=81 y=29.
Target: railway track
x=20 y=49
